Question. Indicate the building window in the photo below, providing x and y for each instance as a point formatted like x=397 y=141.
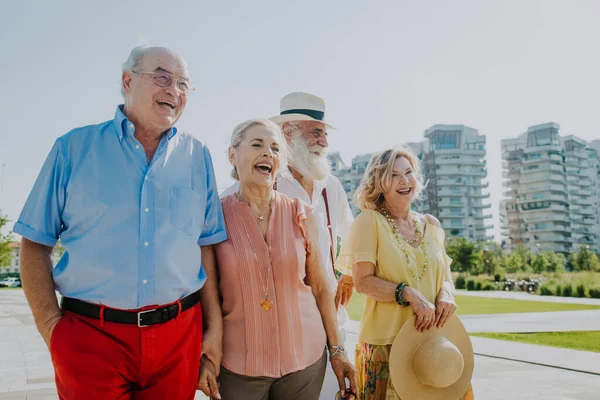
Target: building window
x=445 y=140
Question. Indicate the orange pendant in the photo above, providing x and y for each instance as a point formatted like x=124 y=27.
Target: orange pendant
x=266 y=303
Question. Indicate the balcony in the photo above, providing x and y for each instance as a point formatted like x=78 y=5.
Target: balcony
x=451 y=204
x=449 y=215
x=556 y=148
x=585 y=202
x=582 y=210
x=481 y=227
x=484 y=238
x=446 y=192
x=547 y=218
x=543 y=188
x=482 y=185
x=550 y=228
x=449 y=181
x=513 y=173
x=529 y=177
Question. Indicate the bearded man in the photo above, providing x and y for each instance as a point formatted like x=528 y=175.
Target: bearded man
x=309 y=178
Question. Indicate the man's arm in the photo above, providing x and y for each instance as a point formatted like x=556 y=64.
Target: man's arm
x=38 y=285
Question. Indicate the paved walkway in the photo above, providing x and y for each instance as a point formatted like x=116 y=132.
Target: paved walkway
x=26 y=371
x=574 y=360
x=556 y=321
x=527 y=296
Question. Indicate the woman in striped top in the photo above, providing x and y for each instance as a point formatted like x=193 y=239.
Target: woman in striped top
x=278 y=314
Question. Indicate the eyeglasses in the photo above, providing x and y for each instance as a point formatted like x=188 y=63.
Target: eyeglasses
x=165 y=79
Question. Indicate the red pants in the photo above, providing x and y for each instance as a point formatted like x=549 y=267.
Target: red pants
x=94 y=360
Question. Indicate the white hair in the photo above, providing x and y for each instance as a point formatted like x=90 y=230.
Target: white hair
x=137 y=54
x=240 y=131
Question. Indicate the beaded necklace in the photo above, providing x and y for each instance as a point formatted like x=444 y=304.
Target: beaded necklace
x=399 y=238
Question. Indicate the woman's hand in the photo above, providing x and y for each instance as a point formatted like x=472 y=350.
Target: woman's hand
x=423 y=309
x=444 y=307
x=343 y=369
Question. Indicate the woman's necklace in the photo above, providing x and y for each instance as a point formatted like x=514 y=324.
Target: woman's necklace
x=399 y=238
x=254 y=207
x=266 y=303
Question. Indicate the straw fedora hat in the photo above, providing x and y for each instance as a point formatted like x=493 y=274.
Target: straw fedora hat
x=436 y=364
x=300 y=106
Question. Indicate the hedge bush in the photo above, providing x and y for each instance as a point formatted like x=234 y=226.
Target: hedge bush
x=470 y=284
x=567 y=290
x=548 y=291
x=460 y=282
x=594 y=292
x=488 y=286
x=580 y=291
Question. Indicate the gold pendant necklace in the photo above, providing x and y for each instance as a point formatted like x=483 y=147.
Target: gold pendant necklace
x=399 y=238
x=265 y=303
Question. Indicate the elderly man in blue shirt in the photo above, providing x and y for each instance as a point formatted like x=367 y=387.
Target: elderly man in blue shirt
x=135 y=205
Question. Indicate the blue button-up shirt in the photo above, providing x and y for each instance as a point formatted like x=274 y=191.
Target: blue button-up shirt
x=130 y=229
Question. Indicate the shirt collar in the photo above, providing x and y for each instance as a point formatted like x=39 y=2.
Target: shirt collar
x=287 y=175
x=125 y=127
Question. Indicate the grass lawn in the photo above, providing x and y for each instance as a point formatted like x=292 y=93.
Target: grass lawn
x=480 y=305
x=587 y=341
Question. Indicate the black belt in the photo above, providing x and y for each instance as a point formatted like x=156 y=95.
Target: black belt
x=141 y=318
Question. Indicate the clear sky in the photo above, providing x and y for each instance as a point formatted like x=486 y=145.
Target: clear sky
x=388 y=70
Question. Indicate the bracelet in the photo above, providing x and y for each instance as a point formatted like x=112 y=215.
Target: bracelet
x=398 y=294
x=337 y=351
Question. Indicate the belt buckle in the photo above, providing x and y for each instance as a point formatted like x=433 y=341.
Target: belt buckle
x=139 y=317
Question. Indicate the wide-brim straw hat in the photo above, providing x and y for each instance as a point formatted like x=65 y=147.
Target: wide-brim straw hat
x=436 y=364
x=299 y=106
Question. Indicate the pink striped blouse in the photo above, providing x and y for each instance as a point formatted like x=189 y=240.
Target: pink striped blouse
x=290 y=336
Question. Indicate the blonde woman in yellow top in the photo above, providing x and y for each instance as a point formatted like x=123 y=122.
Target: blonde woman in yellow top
x=398 y=261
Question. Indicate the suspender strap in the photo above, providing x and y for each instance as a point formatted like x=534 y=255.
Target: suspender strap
x=324 y=193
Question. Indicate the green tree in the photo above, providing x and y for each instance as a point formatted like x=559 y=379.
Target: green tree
x=556 y=261
x=519 y=260
x=540 y=263
x=5 y=240
x=465 y=255
x=585 y=260
x=490 y=262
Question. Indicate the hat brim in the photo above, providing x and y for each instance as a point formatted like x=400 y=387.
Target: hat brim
x=405 y=382
x=280 y=119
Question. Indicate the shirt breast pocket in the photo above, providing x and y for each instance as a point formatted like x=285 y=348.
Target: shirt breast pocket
x=187 y=210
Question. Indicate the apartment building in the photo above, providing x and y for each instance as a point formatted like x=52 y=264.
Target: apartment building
x=551 y=197
x=453 y=160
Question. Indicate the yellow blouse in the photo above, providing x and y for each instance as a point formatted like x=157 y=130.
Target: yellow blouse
x=371 y=240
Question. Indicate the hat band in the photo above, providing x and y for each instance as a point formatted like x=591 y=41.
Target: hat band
x=318 y=115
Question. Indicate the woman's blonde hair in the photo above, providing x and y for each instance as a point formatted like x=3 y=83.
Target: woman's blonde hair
x=378 y=177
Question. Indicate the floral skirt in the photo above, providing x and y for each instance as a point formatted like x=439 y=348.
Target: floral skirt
x=374 y=383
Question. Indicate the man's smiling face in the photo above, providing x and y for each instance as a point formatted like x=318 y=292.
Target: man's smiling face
x=149 y=105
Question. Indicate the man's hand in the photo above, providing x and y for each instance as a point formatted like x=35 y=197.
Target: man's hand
x=344 y=291
x=48 y=328
x=212 y=348
x=207 y=381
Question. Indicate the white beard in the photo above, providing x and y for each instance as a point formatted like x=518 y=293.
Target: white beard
x=303 y=159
